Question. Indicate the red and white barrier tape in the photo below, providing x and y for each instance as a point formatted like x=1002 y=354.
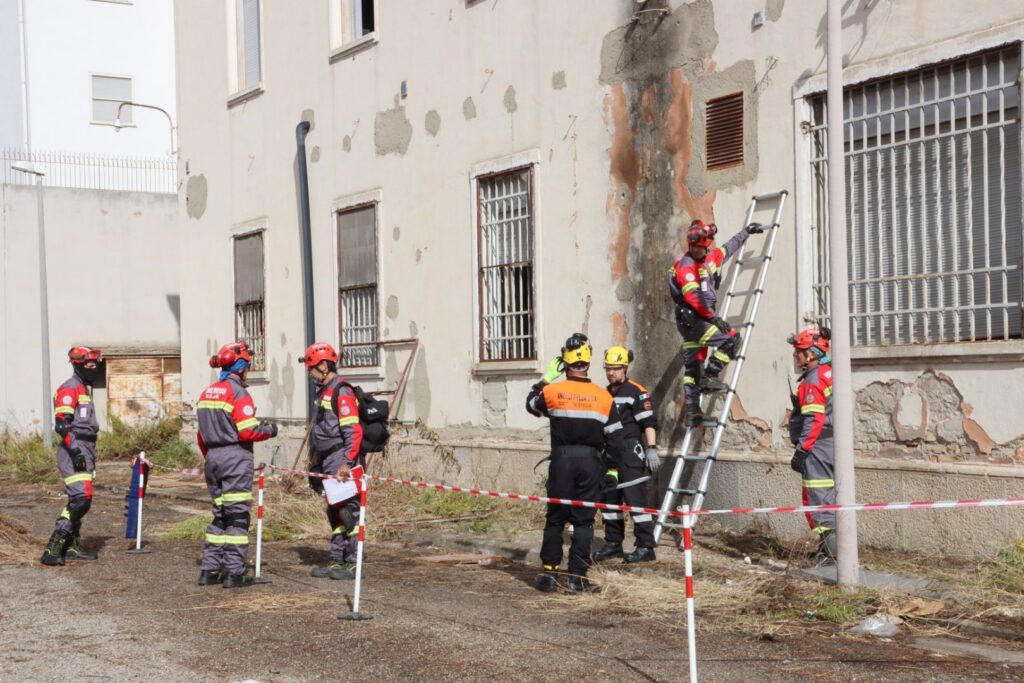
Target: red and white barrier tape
x=187 y=471
x=862 y=507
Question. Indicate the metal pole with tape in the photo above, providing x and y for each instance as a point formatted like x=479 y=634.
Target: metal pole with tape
x=355 y=614
x=143 y=468
x=691 y=622
x=259 y=525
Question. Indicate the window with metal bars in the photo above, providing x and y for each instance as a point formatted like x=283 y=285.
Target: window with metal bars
x=357 y=286
x=250 y=296
x=723 y=131
x=505 y=244
x=933 y=192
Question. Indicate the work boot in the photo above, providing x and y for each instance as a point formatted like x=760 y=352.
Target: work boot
x=238 y=580
x=580 y=584
x=828 y=548
x=608 y=551
x=343 y=572
x=73 y=550
x=54 y=553
x=546 y=582
x=710 y=384
x=641 y=554
x=324 y=572
x=695 y=417
x=210 y=577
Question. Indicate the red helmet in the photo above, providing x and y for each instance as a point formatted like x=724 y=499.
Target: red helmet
x=229 y=353
x=318 y=352
x=700 y=235
x=79 y=355
x=810 y=338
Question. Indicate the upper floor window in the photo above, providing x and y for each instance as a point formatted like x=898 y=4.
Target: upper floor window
x=357 y=286
x=933 y=194
x=352 y=22
x=248 y=72
x=505 y=261
x=250 y=296
x=108 y=92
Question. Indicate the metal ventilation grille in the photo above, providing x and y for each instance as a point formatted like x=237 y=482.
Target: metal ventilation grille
x=723 y=138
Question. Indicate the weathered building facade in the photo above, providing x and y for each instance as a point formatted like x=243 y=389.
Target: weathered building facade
x=489 y=177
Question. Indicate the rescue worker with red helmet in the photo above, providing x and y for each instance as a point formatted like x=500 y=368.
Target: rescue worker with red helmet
x=74 y=419
x=585 y=429
x=228 y=428
x=693 y=284
x=639 y=425
x=337 y=437
x=810 y=431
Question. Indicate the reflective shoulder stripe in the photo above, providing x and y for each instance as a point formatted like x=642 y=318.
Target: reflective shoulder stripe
x=612 y=427
x=828 y=391
x=326 y=405
x=812 y=408
x=690 y=286
x=64 y=410
x=627 y=400
x=246 y=424
x=215 y=405
x=344 y=421
x=645 y=414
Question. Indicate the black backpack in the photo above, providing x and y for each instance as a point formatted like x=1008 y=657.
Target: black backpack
x=373 y=416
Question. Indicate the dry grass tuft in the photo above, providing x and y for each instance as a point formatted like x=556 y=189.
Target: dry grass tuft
x=18 y=544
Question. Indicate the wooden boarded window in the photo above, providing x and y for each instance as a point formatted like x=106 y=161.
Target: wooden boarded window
x=723 y=131
x=250 y=294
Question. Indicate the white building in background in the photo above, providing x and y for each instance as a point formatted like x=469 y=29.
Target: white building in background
x=68 y=63
x=108 y=200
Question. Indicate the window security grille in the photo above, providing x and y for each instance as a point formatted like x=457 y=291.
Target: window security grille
x=505 y=238
x=933 y=167
x=357 y=286
x=250 y=294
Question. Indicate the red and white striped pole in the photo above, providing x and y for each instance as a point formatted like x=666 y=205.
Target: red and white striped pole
x=691 y=626
x=143 y=466
x=259 y=524
x=355 y=614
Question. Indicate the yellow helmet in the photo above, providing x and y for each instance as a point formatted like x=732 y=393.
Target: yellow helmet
x=577 y=350
x=618 y=356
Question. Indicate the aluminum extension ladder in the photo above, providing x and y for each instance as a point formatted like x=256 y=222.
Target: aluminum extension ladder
x=675 y=495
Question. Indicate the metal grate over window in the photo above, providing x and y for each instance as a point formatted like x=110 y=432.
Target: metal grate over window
x=357 y=286
x=933 y=168
x=723 y=131
x=250 y=296
x=505 y=225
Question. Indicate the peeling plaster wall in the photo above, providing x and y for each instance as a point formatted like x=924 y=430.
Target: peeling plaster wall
x=611 y=105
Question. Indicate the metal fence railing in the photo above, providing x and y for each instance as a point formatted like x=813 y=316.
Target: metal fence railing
x=92 y=171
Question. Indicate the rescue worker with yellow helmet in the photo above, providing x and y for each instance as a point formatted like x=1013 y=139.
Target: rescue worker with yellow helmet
x=636 y=410
x=585 y=430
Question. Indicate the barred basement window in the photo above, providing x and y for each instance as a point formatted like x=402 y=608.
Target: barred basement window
x=250 y=295
x=505 y=242
x=933 y=167
x=723 y=131
x=357 y=286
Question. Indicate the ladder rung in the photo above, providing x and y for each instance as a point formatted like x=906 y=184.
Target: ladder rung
x=753 y=259
x=745 y=292
x=686 y=492
x=698 y=458
x=770 y=195
x=671 y=525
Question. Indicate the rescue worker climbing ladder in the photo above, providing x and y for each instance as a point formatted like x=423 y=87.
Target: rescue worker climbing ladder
x=810 y=431
x=75 y=421
x=228 y=428
x=693 y=285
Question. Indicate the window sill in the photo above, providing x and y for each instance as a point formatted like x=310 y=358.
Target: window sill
x=258 y=378
x=349 y=49
x=245 y=95
x=112 y=125
x=374 y=373
x=964 y=352
x=506 y=367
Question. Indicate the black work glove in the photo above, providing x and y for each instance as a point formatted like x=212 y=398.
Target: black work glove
x=722 y=325
x=798 y=463
x=754 y=229
x=610 y=481
x=272 y=428
x=77 y=459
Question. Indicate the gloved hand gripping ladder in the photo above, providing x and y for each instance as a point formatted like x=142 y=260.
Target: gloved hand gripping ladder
x=675 y=495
